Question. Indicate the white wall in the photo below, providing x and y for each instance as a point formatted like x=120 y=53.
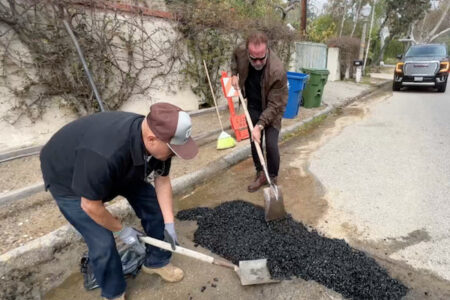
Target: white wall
x=20 y=131
x=333 y=64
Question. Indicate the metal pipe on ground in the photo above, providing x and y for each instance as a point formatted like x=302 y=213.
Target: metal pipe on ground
x=85 y=67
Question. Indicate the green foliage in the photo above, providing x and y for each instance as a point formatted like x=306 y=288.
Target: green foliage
x=400 y=14
x=214 y=48
x=321 y=29
x=213 y=28
x=393 y=49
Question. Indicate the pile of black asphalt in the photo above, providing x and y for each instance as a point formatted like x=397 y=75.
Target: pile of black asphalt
x=238 y=231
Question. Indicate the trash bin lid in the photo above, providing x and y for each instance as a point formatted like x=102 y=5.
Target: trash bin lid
x=296 y=75
x=316 y=71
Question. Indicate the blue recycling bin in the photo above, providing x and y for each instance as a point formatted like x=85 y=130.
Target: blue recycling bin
x=296 y=84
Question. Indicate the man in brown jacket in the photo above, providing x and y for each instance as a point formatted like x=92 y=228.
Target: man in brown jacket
x=260 y=74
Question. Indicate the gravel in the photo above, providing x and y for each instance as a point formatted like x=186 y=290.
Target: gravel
x=238 y=231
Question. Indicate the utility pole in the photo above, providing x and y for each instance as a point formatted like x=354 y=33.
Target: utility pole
x=303 y=17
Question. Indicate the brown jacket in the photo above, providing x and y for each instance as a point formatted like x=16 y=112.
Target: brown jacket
x=274 y=90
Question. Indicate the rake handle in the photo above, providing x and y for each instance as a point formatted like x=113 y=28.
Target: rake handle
x=257 y=145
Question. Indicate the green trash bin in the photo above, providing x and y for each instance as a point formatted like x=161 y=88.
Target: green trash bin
x=312 y=95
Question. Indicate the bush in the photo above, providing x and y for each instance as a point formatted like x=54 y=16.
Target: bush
x=214 y=28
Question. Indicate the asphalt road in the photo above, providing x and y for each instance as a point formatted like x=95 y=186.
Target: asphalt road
x=387 y=179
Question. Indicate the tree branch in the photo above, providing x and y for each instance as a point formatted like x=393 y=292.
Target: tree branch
x=439 y=34
x=358 y=12
x=438 y=24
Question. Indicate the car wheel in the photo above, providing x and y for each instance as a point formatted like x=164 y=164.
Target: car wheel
x=441 y=87
x=396 y=86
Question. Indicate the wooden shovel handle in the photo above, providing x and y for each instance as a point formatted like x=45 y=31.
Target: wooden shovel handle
x=225 y=264
x=257 y=145
x=187 y=252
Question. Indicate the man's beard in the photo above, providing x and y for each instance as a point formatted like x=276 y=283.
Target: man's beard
x=257 y=68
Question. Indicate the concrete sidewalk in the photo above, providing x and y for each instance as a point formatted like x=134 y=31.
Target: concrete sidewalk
x=40 y=265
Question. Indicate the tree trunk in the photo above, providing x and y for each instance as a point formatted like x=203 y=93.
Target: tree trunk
x=374 y=3
x=347 y=71
x=358 y=12
x=382 y=50
x=343 y=17
x=421 y=32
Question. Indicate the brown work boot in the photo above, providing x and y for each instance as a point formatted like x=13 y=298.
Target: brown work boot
x=121 y=297
x=169 y=272
x=259 y=181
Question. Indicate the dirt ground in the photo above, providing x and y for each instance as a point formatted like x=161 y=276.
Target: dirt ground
x=308 y=205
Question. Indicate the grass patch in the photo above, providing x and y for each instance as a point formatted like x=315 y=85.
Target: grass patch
x=305 y=128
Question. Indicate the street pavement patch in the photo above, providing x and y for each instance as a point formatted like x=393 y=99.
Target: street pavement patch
x=237 y=231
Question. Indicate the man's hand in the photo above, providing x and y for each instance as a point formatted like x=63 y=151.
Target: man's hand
x=235 y=82
x=130 y=236
x=256 y=134
x=170 y=235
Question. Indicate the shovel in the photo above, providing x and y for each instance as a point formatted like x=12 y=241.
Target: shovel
x=249 y=271
x=273 y=198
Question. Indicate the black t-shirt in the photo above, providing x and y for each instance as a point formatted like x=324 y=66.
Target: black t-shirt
x=98 y=157
x=253 y=88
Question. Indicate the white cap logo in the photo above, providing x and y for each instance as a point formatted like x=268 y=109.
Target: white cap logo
x=183 y=131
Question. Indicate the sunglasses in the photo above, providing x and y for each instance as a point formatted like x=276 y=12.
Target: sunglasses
x=254 y=59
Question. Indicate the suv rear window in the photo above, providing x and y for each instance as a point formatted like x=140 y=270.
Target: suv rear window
x=435 y=50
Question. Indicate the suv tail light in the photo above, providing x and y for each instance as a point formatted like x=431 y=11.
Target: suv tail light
x=399 y=67
x=445 y=66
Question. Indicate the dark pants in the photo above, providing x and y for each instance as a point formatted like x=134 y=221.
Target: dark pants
x=103 y=253
x=272 y=152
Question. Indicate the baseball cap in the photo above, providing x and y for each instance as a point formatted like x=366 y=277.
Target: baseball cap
x=173 y=126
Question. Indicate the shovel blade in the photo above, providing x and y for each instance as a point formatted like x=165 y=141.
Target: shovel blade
x=254 y=272
x=273 y=203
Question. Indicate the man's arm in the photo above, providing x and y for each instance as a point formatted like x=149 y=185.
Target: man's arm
x=234 y=63
x=234 y=71
x=163 y=189
x=98 y=212
x=276 y=100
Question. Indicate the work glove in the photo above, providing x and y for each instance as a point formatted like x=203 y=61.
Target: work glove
x=170 y=235
x=130 y=236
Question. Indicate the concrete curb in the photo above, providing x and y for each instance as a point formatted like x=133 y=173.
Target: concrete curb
x=32 y=270
x=378 y=86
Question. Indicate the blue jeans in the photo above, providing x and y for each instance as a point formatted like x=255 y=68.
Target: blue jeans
x=103 y=253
